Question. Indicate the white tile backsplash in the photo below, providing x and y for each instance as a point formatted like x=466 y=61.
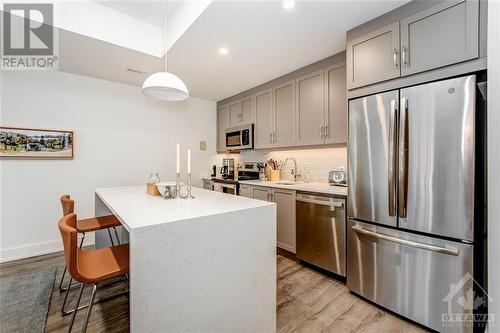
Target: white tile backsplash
x=320 y=161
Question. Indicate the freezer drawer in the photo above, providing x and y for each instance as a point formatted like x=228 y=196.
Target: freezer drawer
x=409 y=274
x=321 y=231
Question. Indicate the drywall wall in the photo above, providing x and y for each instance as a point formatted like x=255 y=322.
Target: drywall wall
x=120 y=138
x=494 y=163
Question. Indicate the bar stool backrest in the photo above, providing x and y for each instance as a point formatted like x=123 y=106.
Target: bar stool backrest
x=67 y=227
x=68 y=204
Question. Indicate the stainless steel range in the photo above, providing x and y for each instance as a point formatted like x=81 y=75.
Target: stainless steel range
x=411 y=200
x=248 y=171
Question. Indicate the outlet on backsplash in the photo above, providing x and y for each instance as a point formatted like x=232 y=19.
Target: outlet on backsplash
x=311 y=163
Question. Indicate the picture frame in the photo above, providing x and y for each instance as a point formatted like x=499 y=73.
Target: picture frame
x=35 y=143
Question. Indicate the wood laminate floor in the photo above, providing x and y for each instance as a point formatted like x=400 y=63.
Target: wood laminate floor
x=307 y=301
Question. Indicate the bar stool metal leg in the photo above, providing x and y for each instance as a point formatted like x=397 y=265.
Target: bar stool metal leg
x=61 y=289
x=89 y=310
x=116 y=234
x=76 y=308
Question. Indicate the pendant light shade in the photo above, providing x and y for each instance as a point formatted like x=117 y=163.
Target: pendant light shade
x=165 y=86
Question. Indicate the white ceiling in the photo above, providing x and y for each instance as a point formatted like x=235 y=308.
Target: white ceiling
x=264 y=40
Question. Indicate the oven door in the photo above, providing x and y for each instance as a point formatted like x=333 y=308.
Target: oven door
x=226 y=188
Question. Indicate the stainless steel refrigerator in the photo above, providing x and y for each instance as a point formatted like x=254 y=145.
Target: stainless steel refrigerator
x=410 y=235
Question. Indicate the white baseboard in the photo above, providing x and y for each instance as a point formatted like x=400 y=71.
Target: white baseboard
x=37 y=249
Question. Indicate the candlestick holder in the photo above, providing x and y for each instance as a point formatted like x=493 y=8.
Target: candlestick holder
x=188 y=183
x=178 y=185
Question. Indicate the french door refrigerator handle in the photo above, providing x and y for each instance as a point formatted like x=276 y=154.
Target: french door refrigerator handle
x=392 y=159
x=403 y=159
x=454 y=252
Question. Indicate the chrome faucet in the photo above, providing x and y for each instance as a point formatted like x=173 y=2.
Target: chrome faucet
x=294 y=172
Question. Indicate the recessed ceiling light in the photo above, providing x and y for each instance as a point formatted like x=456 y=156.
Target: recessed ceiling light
x=288 y=4
x=223 y=51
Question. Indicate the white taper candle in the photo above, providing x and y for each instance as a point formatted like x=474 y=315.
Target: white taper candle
x=177 y=165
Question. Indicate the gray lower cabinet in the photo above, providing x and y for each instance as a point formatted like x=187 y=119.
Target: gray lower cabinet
x=245 y=191
x=373 y=57
x=208 y=184
x=222 y=124
x=285 y=205
x=264 y=126
x=335 y=131
x=310 y=113
x=444 y=34
x=284 y=114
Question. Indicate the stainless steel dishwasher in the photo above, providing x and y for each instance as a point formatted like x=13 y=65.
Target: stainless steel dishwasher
x=321 y=231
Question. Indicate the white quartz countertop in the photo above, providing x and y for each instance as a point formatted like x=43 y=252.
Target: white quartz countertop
x=323 y=188
x=135 y=208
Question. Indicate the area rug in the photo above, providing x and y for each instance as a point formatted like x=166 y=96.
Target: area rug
x=25 y=300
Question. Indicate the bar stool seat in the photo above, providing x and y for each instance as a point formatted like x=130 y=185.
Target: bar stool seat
x=97 y=223
x=103 y=264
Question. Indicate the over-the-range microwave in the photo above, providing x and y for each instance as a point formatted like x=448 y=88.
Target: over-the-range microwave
x=240 y=137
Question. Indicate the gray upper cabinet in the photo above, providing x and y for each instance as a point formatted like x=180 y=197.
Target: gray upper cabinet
x=310 y=114
x=441 y=35
x=264 y=126
x=373 y=57
x=222 y=124
x=335 y=131
x=247 y=116
x=284 y=114
x=235 y=113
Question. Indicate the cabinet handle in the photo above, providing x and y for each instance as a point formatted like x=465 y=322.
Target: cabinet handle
x=326 y=131
x=321 y=131
x=395 y=57
x=404 y=56
x=270 y=137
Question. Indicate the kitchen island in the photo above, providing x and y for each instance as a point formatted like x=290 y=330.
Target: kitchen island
x=196 y=265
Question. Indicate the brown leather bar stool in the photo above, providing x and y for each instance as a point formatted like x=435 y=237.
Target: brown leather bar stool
x=87 y=225
x=90 y=267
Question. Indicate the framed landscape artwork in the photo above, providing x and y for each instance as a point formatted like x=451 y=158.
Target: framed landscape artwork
x=35 y=143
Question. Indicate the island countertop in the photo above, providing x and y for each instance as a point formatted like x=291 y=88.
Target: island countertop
x=135 y=208
x=196 y=265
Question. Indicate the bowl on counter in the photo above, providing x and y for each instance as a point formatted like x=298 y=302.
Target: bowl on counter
x=167 y=189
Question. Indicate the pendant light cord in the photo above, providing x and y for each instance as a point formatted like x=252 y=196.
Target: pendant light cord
x=165 y=61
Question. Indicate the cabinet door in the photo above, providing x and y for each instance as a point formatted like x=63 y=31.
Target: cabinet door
x=261 y=193
x=336 y=105
x=284 y=114
x=310 y=113
x=222 y=124
x=442 y=35
x=247 y=110
x=373 y=57
x=245 y=191
x=285 y=205
x=263 y=119
x=235 y=113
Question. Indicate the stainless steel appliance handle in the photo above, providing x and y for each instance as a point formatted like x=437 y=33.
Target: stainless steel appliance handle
x=395 y=57
x=403 y=159
x=392 y=160
x=403 y=55
x=319 y=202
x=433 y=248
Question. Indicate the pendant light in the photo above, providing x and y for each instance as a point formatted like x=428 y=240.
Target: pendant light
x=165 y=86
